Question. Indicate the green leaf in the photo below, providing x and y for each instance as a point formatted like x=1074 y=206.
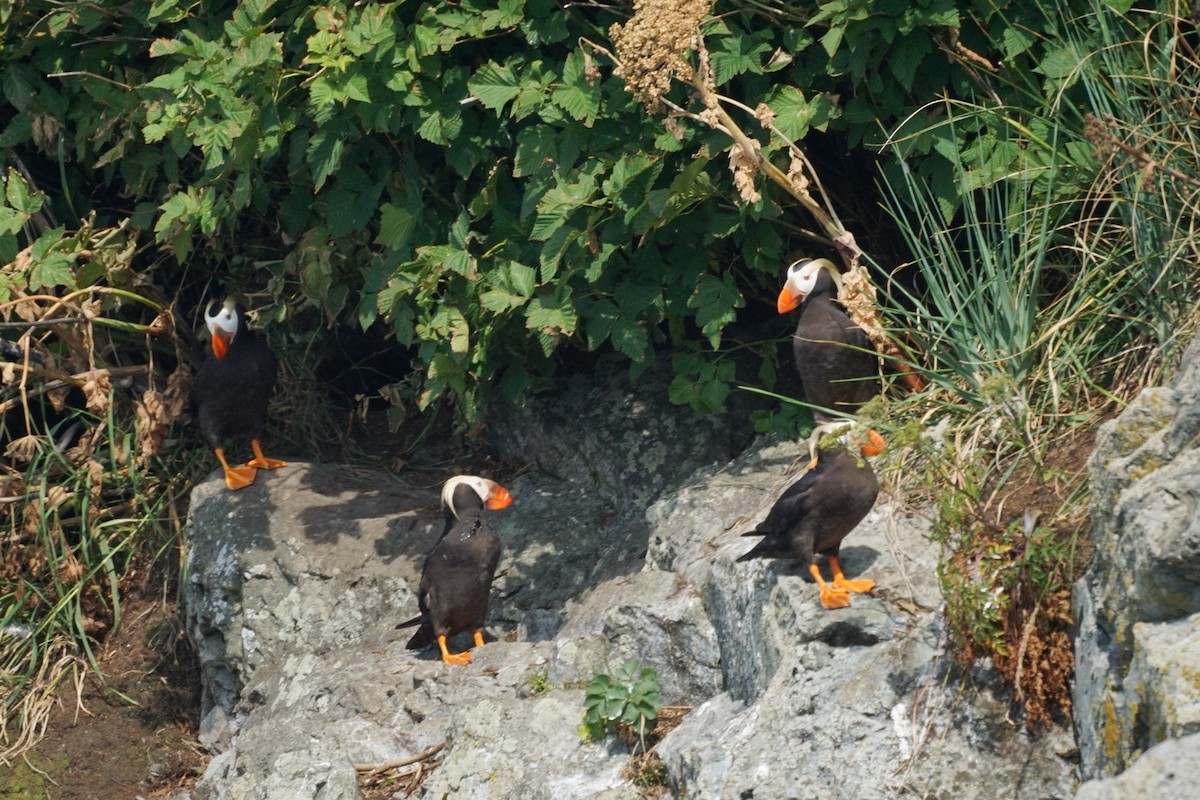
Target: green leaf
x=11 y=221
x=738 y=54
x=906 y=55
x=714 y=300
x=494 y=84
x=1016 y=41
x=17 y=193
x=522 y=278
x=396 y=226
x=794 y=114
x=324 y=155
x=536 y=152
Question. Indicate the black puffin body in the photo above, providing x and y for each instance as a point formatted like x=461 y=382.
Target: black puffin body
x=456 y=581
x=834 y=357
x=817 y=512
x=231 y=390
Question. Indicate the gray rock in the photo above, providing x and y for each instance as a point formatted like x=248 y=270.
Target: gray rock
x=655 y=617
x=296 y=584
x=1145 y=482
x=1168 y=771
x=860 y=699
x=1165 y=672
x=308 y=559
x=616 y=436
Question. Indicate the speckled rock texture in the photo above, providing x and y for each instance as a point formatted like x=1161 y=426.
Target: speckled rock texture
x=1137 y=676
x=295 y=585
x=1167 y=771
x=853 y=703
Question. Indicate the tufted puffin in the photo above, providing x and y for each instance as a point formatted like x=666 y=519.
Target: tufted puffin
x=457 y=578
x=834 y=356
x=232 y=387
x=815 y=514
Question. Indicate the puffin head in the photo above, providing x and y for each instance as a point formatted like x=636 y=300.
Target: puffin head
x=802 y=276
x=492 y=495
x=223 y=320
x=866 y=443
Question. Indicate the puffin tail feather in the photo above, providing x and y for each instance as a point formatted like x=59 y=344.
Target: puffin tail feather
x=768 y=547
x=421 y=639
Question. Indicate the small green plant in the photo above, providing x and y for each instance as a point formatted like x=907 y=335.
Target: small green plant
x=539 y=683
x=630 y=698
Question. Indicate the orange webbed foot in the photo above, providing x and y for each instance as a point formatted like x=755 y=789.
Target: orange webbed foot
x=260 y=460
x=236 y=477
x=830 y=597
x=240 y=477
x=458 y=659
x=479 y=638
x=834 y=598
x=860 y=586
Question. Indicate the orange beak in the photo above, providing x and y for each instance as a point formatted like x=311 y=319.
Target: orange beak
x=220 y=344
x=874 y=446
x=787 y=301
x=498 y=498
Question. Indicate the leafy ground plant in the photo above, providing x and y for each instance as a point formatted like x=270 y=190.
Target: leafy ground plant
x=629 y=698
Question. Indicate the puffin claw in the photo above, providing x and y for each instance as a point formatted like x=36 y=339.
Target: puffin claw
x=860 y=586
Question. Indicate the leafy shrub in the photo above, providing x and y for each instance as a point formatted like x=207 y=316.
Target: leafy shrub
x=473 y=179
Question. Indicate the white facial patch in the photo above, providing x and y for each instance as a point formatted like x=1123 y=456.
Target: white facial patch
x=224 y=320
x=802 y=277
x=482 y=487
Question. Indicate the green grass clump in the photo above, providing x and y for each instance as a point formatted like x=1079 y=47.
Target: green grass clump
x=91 y=492
x=1034 y=308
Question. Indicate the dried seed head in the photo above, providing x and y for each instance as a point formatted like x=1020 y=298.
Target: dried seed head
x=745 y=168
x=654 y=43
x=96 y=389
x=858 y=296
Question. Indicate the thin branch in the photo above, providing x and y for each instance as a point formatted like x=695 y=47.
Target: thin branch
x=41 y=322
x=82 y=74
x=368 y=770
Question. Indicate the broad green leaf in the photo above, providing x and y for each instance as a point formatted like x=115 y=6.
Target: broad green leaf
x=494 y=84
x=906 y=55
x=550 y=315
x=51 y=271
x=18 y=196
x=1016 y=41
x=499 y=300
x=11 y=221
x=396 y=226
x=522 y=278
x=714 y=301
x=738 y=54
x=324 y=155
x=537 y=151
